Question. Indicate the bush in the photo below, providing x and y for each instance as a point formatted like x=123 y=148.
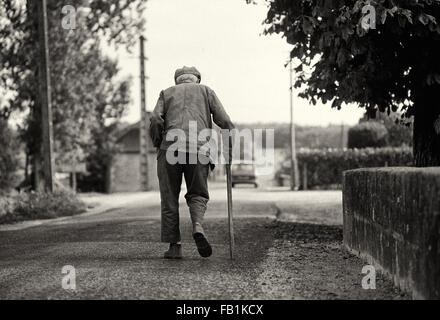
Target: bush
x=400 y=131
x=325 y=167
x=370 y=134
x=28 y=206
x=399 y=135
x=8 y=157
x=6 y=205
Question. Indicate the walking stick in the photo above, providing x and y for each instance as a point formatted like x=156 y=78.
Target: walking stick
x=230 y=214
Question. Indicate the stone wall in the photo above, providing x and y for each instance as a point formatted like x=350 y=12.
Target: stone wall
x=392 y=220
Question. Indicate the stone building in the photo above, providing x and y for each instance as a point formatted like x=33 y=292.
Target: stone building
x=124 y=173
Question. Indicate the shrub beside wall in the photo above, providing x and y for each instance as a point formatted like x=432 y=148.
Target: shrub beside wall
x=323 y=168
x=369 y=134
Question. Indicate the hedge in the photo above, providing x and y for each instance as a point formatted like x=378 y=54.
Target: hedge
x=324 y=167
x=39 y=205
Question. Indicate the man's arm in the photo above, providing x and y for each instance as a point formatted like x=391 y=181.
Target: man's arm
x=157 y=122
x=219 y=114
x=222 y=119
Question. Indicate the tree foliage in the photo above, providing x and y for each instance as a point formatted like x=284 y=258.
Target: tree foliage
x=86 y=93
x=8 y=157
x=374 y=68
x=117 y=22
x=394 y=66
x=110 y=105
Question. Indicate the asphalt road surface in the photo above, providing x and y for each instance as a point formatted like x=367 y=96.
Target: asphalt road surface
x=117 y=254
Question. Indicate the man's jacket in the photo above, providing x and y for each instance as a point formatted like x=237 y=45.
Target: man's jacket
x=182 y=106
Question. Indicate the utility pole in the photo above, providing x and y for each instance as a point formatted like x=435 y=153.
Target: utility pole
x=342 y=136
x=45 y=98
x=143 y=129
x=294 y=172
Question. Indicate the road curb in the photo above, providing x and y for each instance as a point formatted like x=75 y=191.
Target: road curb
x=38 y=222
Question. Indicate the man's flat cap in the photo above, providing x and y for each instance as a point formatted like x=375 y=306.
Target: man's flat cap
x=187 y=70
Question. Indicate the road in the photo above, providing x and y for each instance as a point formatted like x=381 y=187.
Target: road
x=116 y=252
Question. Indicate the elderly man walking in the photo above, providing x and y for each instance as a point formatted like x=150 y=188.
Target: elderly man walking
x=180 y=107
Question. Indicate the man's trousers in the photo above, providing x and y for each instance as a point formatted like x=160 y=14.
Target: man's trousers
x=197 y=196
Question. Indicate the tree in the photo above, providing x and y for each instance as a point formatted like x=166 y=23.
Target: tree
x=112 y=97
x=75 y=57
x=8 y=157
x=394 y=66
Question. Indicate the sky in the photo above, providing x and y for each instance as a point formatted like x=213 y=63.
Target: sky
x=223 y=39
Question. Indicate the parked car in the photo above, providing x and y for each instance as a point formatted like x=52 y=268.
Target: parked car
x=243 y=173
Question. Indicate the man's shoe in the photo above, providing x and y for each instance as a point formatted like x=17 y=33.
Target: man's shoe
x=174 y=252
x=203 y=245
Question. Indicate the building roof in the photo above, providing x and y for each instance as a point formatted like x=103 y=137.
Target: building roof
x=128 y=138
